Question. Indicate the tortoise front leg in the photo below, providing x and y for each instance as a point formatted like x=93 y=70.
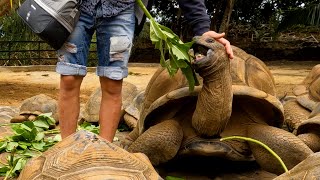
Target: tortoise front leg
x=160 y=142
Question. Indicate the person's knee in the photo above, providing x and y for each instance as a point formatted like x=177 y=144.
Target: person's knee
x=111 y=87
x=70 y=83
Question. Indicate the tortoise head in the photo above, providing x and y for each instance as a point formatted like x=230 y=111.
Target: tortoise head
x=214 y=102
x=209 y=55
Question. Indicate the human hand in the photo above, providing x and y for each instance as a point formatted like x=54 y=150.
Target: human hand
x=219 y=37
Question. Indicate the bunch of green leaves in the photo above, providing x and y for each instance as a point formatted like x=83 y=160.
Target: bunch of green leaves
x=170 y=44
x=89 y=127
x=28 y=140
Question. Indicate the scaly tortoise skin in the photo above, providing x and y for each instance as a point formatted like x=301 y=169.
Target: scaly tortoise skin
x=85 y=155
x=175 y=121
x=92 y=106
x=301 y=111
x=32 y=107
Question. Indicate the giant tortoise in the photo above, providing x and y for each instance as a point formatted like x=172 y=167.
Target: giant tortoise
x=237 y=97
x=301 y=111
x=85 y=155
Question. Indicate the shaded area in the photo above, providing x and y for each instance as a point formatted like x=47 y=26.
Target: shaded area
x=206 y=168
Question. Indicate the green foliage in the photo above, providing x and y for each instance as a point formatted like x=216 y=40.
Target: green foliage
x=173 y=178
x=168 y=43
x=28 y=141
x=307 y=15
x=13 y=28
x=90 y=127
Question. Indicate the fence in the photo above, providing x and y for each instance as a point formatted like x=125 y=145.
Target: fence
x=19 y=53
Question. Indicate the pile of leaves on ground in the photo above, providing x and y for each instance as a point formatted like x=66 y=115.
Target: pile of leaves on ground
x=30 y=139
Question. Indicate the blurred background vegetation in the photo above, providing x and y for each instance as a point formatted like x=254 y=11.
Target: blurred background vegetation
x=281 y=27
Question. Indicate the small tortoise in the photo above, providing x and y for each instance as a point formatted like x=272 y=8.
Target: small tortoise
x=32 y=107
x=237 y=99
x=85 y=155
x=92 y=107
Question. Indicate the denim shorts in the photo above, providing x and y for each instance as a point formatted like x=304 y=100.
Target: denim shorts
x=114 y=41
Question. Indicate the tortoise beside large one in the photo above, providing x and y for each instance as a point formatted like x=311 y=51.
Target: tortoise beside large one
x=31 y=107
x=92 y=107
x=237 y=97
x=85 y=155
x=302 y=112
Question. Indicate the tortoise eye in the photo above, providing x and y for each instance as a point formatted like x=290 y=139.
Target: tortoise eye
x=210 y=40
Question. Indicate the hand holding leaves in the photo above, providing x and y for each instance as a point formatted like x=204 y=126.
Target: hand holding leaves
x=169 y=43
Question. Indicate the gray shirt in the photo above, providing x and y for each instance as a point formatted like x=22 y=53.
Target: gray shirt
x=105 y=8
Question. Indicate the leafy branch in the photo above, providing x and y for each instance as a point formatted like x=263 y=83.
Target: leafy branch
x=169 y=43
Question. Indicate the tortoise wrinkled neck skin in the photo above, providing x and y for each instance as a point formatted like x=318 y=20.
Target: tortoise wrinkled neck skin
x=214 y=103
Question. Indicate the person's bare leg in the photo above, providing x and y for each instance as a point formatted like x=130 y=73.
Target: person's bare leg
x=110 y=107
x=69 y=104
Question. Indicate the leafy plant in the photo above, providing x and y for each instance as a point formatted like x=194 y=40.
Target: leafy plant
x=261 y=144
x=170 y=44
x=28 y=140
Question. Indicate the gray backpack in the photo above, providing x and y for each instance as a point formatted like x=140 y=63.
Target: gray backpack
x=52 y=20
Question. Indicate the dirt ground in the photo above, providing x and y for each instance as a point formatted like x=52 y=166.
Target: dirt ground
x=17 y=84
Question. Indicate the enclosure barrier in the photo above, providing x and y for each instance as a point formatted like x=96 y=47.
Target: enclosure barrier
x=17 y=53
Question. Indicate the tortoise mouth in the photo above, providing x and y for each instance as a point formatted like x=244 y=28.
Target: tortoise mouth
x=200 y=52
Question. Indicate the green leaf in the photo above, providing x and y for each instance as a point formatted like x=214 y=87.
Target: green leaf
x=23 y=126
x=11 y=146
x=39 y=136
x=156 y=32
x=27 y=123
x=24 y=143
x=190 y=77
x=22 y=146
x=16 y=128
x=3 y=146
x=4 y=170
x=90 y=127
x=47 y=118
x=19 y=164
x=57 y=138
x=38 y=145
x=29 y=153
x=42 y=123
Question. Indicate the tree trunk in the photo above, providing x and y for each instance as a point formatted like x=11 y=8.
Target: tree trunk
x=4 y=7
x=215 y=17
x=226 y=17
